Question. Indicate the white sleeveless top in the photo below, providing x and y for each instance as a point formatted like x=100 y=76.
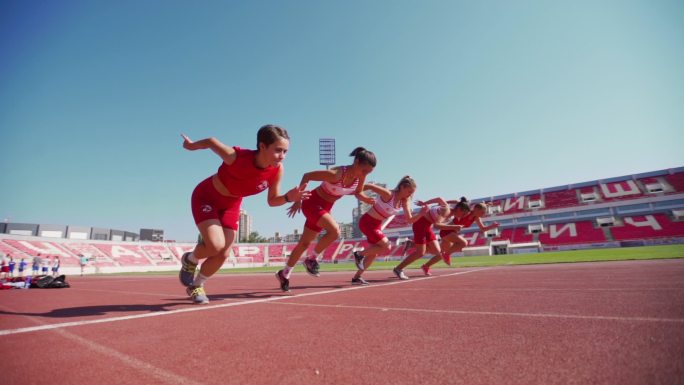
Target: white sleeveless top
x=337 y=189
x=433 y=214
x=386 y=209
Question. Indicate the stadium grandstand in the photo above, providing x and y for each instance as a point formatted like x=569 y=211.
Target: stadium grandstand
x=632 y=210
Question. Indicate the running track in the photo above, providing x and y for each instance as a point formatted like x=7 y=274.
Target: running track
x=591 y=323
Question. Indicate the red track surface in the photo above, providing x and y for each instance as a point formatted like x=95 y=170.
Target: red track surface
x=599 y=323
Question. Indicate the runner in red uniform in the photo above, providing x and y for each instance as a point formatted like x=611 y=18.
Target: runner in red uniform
x=337 y=182
x=216 y=201
x=463 y=216
x=423 y=236
x=382 y=212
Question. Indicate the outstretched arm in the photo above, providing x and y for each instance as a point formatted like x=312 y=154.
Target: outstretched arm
x=384 y=193
x=438 y=200
x=226 y=153
x=294 y=195
x=322 y=176
x=407 y=212
x=484 y=228
x=359 y=192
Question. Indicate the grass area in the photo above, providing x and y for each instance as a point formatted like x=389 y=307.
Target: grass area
x=594 y=255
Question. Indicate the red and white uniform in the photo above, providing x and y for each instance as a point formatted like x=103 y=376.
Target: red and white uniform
x=315 y=207
x=370 y=226
x=242 y=178
x=422 y=228
x=465 y=221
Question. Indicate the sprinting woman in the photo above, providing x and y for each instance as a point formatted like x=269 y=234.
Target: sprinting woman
x=216 y=200
x=423 y=236
x=371 y=223
x=337 y=182
x=464 y=216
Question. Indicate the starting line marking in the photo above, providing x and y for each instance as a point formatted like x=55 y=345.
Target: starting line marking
x=223 y=305
x=493 y=313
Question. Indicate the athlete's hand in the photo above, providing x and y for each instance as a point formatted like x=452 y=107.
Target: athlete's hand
x=298 y=194
x=294 y=209
x=187 y=143
x=419 y=203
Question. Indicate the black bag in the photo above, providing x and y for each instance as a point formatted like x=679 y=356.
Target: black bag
x=49 y=282
x=41 y=281
x=58 y=283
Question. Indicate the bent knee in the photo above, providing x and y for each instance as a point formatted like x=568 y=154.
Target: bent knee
x=333 y=232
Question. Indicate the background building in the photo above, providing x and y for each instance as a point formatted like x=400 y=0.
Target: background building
x=153 y=235
x=245 y=226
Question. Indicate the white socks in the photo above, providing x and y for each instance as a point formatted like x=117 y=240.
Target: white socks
x=286 y=271
x=199 y=280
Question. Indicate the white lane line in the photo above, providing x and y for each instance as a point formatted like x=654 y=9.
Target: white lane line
x=223 y=305
x=144 y=367
x=543 y=289
x=493 y=313
x=174 y=295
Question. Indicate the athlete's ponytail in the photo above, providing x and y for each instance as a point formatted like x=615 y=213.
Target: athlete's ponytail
x=463 y=205
x=405 y=181
x=269 y=133
x=364 y=156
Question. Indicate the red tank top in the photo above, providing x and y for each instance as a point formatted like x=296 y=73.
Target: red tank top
x=243 y=178
x=466 y=221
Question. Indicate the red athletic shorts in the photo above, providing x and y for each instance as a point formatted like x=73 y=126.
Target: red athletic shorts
x=422 y=232
x=313 y=209
x=371 y=228
x=207 y=203
x=444 y=233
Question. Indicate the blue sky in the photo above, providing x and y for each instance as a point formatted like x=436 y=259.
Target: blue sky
x=470 y=98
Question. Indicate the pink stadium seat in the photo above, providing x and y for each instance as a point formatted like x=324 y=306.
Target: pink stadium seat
x=9 y=250
x=647 y=226
x=572 y=233
x=623 y=190
x=160 y=254
x=516 y=235
x=560 y=199
x=330 y=252
x=124 y=254
x=512 y=205
x=90 y=251
x=346 y=250
x=676 y=181
x=178 y=250
x=475 y=239
x=249 y=253
x=45 y=249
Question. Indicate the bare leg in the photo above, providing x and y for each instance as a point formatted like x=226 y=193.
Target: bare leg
x=307 y=237
x=332 y=233
x=383 y=246
x=434 y=249
x=214 y=263
x=417 y=253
